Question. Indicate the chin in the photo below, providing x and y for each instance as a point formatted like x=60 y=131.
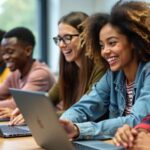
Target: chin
x=69 y=60
x=113 y=69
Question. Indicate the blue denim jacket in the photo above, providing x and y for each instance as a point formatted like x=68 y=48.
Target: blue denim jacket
x=110 y=94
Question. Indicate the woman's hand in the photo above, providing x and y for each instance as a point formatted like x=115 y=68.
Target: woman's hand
x=71 y=129
x=5 y=112
x=16 y=118
x=142 y=142
x=125 y=136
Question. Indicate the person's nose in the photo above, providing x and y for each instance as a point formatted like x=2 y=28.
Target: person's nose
x=107 y=50
x=61 y=44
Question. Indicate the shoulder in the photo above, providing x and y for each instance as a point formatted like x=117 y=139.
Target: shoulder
x=40 y=65
x=146 y=66
x=40 y=69
x=144 y=69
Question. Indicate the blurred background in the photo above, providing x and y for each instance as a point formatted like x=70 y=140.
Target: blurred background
x=41 y=16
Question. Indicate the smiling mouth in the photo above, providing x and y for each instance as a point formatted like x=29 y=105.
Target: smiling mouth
x=67 y=52
x=112 y=60
x=9 y=64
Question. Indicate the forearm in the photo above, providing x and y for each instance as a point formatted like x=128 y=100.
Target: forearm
x=8 y=103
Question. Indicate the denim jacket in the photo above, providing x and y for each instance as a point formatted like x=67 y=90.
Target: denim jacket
x=109 y=94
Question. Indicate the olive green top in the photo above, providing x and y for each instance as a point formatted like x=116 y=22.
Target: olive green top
x=96 y=74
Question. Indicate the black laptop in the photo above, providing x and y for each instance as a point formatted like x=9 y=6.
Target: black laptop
x=8 y=131
x=4 y=119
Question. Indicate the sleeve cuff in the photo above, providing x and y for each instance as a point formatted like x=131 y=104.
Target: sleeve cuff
x=143 y=126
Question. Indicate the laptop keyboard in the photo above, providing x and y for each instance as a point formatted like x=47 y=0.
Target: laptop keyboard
x=11 y=131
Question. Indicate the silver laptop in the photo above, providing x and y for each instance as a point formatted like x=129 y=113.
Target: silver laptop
x=42 y=120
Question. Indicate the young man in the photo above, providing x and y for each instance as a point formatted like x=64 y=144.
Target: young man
x=4 y=71
x=26 y=72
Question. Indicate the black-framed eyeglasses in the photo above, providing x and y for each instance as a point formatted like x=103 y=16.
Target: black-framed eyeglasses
x=66 y=39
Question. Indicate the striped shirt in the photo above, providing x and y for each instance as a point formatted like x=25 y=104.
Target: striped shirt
x=129 y=100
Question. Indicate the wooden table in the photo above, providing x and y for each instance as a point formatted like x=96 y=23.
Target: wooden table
x=19 y=143
x=22 y=143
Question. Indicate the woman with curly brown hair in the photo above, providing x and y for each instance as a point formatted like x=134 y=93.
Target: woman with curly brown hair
x=124 y=90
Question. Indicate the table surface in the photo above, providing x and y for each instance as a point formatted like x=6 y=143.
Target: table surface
x=21 y=143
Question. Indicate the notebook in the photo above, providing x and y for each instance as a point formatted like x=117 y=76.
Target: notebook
x=41 y=118
x=8 y=131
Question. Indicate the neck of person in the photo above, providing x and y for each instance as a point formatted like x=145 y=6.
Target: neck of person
x=27 y=67
x=130 y=72
x=78 y=63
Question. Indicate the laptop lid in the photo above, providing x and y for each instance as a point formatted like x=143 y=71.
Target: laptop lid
x=42 y=120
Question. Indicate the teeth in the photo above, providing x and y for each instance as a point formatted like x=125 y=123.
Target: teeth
x=67 y=52
x=9 y=64
x=111 y=59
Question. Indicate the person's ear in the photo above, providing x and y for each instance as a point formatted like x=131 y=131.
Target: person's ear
x=28 y=50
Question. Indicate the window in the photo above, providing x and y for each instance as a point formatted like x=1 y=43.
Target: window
x=15 y=13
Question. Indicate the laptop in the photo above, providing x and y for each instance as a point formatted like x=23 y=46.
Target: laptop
x=41 y=118
x=8 y=131
x=4 y=119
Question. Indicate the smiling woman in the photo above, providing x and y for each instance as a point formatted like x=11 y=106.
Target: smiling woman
x=118 y=51
x=123 y=40
x=77 y=71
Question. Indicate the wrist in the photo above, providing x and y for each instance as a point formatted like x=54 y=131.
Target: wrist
x=143 y=126
x=76 y=133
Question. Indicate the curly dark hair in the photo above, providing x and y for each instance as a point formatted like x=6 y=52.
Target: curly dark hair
x=92 y=26
x=133 y=20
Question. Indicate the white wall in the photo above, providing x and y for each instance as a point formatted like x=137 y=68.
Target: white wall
x=104 y=5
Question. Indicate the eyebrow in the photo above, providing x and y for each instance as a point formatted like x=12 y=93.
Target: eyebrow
x=109 y=38
x=112 y=37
